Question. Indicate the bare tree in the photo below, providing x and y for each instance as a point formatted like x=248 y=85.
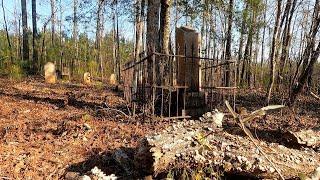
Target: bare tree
x=165 y=26
x=152 y=33
x=240 y=51
x=164 y=40
x=53 y=20
x=99 y=30
x=263 y=42
x=25 y=38
x=273 y=60
x=75 y=34
x=288 y=14
x=7 y=33
x=310 y=55
x=139 y=26
x=228 y=43
x=34 y=37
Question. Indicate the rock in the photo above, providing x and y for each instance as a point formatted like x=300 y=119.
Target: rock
x=316 y=174
x=87 y=127
x=85 y=177
x=87 y=78
x=50 y=73
x=101 y=175
x=84 y=139
x=72 y=176
x=215 y=116
x=218 y=118
x=113 y=79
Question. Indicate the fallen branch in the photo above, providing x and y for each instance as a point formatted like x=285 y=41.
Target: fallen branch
x=253 y=115
x=116 y=110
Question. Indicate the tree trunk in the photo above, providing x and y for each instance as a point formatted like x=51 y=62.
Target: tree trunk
x=34 y=38
x=273 y=60
x=310 y=56
x=99 y=30
x=25 y=40
x=118 y=46
x=242 y=32
x=114 y=37
x=53 y=20
x=152 y=35
x=304 y=76
x=75 y=60
x=228 y=43
x=165 y=26
x=286 y=39
x=7 y=33
x=140 y=4
x=262 y=45
x=164 y=42
x=16 y=23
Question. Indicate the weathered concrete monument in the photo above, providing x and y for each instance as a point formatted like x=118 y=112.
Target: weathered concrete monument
x=188 y=44
x=188 y=69
x=113 y=79
x=50 y=73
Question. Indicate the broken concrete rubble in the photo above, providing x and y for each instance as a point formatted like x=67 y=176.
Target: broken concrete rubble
x=193 y=144
x=214 y=116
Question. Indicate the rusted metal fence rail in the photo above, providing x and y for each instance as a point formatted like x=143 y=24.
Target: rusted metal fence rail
x=167 y=84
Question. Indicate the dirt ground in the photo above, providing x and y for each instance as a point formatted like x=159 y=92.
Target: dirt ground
x=42 y=135
x=49 y=130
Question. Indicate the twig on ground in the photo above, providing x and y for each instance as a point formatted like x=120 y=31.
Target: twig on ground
x=116 y=110
x=315 y=96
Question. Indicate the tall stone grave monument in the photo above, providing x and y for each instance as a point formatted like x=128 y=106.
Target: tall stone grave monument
x=188 y=69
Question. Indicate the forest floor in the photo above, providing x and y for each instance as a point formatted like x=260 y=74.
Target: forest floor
x=50 y=130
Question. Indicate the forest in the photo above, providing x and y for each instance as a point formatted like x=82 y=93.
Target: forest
x=160 y=89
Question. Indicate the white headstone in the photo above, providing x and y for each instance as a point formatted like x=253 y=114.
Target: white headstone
x=86 y=78
x=113 y=79
x=50 y=73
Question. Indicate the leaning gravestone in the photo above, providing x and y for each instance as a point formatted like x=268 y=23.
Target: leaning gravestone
x=50 y=73
x=87 y=78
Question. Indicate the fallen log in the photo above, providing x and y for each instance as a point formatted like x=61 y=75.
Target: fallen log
x=200 y=144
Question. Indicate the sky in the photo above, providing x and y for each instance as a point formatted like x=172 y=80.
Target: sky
x=13 y=7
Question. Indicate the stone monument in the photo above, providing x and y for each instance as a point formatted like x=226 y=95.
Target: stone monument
x=188 y=69
x=87 y=78
x=50 y=73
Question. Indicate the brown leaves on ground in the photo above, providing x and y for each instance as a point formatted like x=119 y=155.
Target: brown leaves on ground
x=40 y=139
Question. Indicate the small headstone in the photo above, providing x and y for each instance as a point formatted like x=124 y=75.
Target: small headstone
x=58 y=74
x=50 y=73
x=86 y=78
x=113 y=79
